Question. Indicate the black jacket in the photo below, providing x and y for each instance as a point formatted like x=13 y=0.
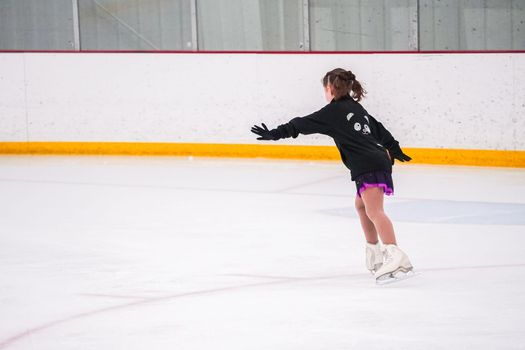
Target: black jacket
x=361 y=140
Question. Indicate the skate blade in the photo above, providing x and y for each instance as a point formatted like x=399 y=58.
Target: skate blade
x=396 y=276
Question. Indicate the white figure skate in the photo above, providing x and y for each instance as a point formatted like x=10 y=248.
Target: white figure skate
x=374 y=257
x=396 y=266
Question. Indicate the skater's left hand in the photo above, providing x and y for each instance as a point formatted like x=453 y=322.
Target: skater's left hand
x=264 y=133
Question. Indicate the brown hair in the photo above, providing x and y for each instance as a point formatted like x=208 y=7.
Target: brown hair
x=343 y=82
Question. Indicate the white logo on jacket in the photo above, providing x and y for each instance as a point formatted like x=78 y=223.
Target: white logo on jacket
x=364 y=128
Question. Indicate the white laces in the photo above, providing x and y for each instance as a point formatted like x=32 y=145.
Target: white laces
x=388 y=256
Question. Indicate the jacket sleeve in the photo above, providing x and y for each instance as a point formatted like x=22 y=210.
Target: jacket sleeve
x=383 y=136
x=315 y=123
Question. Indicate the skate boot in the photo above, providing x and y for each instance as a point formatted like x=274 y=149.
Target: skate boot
x=374 y=257
x=396 y=265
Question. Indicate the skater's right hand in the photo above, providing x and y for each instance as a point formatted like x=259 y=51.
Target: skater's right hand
x=401 y=157
x=397 y=153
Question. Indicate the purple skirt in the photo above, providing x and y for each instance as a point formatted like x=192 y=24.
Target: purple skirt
x=380 y=179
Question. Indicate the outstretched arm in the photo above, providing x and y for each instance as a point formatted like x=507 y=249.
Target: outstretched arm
x=315 y=123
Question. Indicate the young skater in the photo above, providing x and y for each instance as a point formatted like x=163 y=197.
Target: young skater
x=368 y=149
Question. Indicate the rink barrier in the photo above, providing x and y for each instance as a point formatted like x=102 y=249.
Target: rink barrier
x=500 y=158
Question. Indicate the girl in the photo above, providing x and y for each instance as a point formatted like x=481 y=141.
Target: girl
x=368 y=150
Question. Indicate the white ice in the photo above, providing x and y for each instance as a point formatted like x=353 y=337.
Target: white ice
x=177 y=253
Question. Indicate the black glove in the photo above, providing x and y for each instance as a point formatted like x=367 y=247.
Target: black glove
x=266 y=134
x=398 y=154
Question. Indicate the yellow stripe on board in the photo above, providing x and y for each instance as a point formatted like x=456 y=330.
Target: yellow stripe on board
x=172 y=149
x=419 y=155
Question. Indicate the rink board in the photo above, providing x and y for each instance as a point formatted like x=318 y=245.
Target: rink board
x=419 y=155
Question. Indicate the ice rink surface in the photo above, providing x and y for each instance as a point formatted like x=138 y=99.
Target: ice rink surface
x=177 y=253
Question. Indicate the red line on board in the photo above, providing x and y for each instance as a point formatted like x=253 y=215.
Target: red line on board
x=440 y=52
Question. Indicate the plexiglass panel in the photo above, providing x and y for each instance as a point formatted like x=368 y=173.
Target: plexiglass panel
x=262 y=25
x=36 y=25
x=270 y=25
x=472 y=24
x=135 y=24
x=355 y=25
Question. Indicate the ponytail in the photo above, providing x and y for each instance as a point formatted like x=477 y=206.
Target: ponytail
x=357 y=91
x=343 y=83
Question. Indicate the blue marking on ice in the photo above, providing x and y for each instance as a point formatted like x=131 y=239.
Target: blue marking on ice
x=448 y=212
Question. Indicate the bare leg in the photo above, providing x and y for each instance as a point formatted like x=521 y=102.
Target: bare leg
x=367 y=225
x=373 y=201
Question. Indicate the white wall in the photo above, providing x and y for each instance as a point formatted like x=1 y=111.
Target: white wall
x=473 y=101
